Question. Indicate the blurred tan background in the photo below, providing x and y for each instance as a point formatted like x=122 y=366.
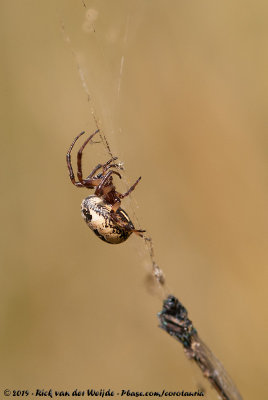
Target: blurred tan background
x=188 y=112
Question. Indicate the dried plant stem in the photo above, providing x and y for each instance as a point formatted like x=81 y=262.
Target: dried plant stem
x=174 y=320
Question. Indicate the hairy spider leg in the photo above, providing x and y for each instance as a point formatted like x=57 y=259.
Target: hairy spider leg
x=92 y=173
x=122 y=195
x=108 y=163
x=105 y=167
x=113 y=166
x=69 y=162
x=90 y=183
x=90 y=180
x=119 y=196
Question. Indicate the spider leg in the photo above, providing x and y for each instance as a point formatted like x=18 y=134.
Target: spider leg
x=105 y=166
x=122 y=195
x=108 y=163
x=139 y=232
x=119 y=196
x=92 y=181
x=92 y=173
x=116 y=205
x=79 y=159
x=101 y=187
x=114 y=166
x=69 y=162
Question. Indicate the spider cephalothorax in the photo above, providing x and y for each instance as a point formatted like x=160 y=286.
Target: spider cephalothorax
x=102 y=211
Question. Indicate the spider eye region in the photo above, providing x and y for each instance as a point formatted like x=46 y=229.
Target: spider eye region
x=111 y=227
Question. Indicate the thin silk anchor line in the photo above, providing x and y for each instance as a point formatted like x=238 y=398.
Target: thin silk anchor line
x=157 y=273
x=173 y=317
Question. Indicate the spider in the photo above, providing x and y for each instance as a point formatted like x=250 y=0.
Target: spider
x=101 y=211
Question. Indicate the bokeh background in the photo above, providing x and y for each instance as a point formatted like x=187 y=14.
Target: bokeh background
x=180 y=90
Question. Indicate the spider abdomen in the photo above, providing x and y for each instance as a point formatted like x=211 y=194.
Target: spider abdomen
x=97 y=215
